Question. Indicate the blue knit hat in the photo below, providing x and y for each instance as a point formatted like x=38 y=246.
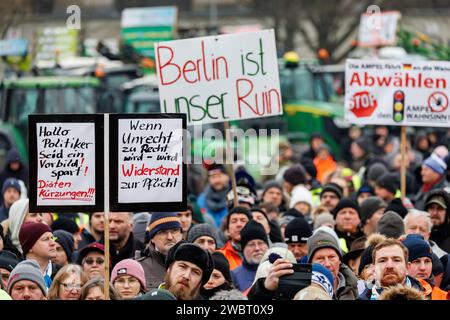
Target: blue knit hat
x=11 y=183
x=417 y=247
x=323 y=277
x=436 y=164
x=163 y=221
x=66 y=241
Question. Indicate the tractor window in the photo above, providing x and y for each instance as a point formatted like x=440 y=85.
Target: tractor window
x=23 y=102
x=70 y=100
x=296 y=84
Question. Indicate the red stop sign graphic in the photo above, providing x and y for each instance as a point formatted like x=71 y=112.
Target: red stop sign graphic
x=363 y=104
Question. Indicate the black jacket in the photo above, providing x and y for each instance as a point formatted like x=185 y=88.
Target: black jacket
x=127 y=252
x=441 y=234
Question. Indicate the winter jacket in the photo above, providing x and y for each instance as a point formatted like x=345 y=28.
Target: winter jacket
x=153 y=263
x=244 y=275
x=348 y=238
x=217 y=215
x=233 y=256
x=420 y=200
x=21 y=174
x=433 y=292
x=348 y=284
x=368 y=292
x=347 y=289
x=127 y=252
x=441 y=234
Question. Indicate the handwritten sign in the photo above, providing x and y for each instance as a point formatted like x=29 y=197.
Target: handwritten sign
x=64 y=162
x=147 y=170
x=220 y=78
x=397 y=93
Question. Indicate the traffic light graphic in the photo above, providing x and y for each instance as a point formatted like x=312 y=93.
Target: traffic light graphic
x=399 y=106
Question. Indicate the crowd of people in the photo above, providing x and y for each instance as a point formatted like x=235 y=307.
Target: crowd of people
x=322 y=228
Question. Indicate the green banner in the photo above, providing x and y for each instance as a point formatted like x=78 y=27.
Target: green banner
x=143 y=38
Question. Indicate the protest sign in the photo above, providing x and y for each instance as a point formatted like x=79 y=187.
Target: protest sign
x=378 y=28
x=384 y=92
x=147 y=170
x=65 y=153
x=220 y=78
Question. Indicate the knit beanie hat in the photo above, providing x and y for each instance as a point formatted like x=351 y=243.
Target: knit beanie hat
x=301 y=194
x=436 y=164
x=199 y=230
x=369 y=206
x=163 y=221
x=322 y=239
x=27 y=270
x=417 y=247
x=11 y=183
x=65 y=224
x=190 y=252
x=389 y=182
x=323 y=277
x=323 y=218
x=346 y=203
x=129 y=267
x=221 y=263
x=376 y=170
x=397 y=206
x=296 y=174
x=391 y=225
x=30 y=232
x=365 y=189
x=251 y=231
x=298 y=230
x=66 y=241
x=332 y=187
x=8 y=260
x=271 y=184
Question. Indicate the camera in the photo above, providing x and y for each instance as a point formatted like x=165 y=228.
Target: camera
x=290 y=284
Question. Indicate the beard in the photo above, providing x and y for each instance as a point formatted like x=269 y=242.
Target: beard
x=180 y=289
x=391 y=278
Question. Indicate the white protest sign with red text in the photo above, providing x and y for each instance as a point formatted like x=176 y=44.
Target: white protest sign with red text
x=149 y=173
x=220 y=78
x=399 y=93
x=64 y=162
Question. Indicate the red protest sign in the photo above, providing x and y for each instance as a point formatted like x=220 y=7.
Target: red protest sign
x=363 y=104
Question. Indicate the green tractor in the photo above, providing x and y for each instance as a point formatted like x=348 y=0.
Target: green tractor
x=50 y=95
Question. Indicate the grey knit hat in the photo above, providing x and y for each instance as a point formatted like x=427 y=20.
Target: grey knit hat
x=391 y=225
x=199 y=230
x=321 y=239
x=27 y=270
x=323 y=218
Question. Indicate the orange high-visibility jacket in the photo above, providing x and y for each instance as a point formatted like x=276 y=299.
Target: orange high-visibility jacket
x=233 y=257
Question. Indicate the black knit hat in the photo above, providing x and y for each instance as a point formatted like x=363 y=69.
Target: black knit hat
x=190 y=252
x=366 y=258
x=8 y=260
x=369 y=206
x=239 y=210
x=397 y=206
x=332 y=187
x=66 y=225
x=66 y=241
x=346 y=203
x=295 y=175
x=221 y=263
x=251 y=231
x=389 y=182
x=293 y=213
x=298 y=230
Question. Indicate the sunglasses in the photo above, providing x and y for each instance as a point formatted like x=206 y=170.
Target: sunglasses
x=70 y=286
x=98 y=261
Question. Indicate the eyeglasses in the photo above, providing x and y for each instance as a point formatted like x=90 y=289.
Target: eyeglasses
x=98 y=261
x=71 y=286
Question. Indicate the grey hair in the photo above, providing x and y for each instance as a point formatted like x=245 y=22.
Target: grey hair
x=414 y=213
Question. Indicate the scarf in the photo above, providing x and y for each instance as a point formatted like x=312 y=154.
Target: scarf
x=216 y=200
x=376 y=290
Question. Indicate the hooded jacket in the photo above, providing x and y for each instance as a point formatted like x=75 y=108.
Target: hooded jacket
x=441 y=234
x=17 y=214
x=21 y=174
x=153 y=263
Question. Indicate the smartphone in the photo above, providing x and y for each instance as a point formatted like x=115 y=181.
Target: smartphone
x=290 y=284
